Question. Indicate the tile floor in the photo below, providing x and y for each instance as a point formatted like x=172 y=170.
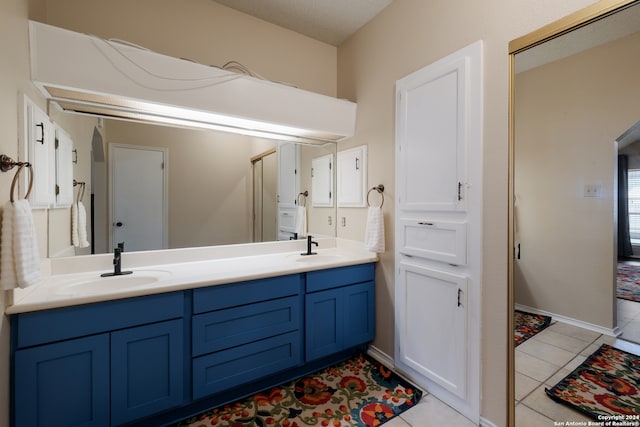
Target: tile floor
x=541 y=362
x=430 y=412
x=546 y=358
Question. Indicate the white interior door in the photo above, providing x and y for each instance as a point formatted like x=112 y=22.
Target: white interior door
x=138 y=197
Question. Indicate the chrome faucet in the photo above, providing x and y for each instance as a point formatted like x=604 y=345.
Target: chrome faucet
x=117 y=262
x=309 y=243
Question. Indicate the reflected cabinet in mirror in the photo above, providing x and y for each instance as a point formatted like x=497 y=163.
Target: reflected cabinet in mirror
x=575 y=100
x=156 y=187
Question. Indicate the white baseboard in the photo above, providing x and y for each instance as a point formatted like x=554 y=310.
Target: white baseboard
x=612 y=332
x=381 y=357
x=486 y=423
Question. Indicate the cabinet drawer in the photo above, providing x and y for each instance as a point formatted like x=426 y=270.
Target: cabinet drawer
x=41 y=327
x=341 y=276
x=444 y=241
x=235 y=294
x=287 y=219
x=220 y=371
x=228 y=328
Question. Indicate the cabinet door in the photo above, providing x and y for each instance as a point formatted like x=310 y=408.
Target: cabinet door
x=322 y=181
x=324 y=323
x=431 y=317
x=431 y=138
x=352 y=177
x=63 y=168
x=338 y=319
x=359 y=314
x=63 y=384
x=37 y=147
x=288 y=161
x=146 y=369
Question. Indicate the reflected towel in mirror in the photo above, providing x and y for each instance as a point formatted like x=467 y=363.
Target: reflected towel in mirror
x=301 y=221
x=19 y=256
x=374 y=233
x=79 y=225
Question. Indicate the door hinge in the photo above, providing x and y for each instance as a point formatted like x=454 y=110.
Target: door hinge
x=57 y=189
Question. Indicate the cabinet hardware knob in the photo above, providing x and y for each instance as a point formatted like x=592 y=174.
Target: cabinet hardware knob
x=425 y=223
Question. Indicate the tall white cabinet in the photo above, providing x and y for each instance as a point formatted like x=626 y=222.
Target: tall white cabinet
x=439 y=228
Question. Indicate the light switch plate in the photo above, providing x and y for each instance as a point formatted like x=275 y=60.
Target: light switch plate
x=592 y=191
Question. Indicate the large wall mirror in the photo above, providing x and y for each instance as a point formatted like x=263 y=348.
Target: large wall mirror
x=196 y=187
x=575 y=105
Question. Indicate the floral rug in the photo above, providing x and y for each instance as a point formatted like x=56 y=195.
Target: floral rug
x=605 y=386
x=528 y=324
x=360 y=392
x=628 y=283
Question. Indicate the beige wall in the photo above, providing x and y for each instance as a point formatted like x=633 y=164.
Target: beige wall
x=406 y=36
x=568 y=115
x=205 y=32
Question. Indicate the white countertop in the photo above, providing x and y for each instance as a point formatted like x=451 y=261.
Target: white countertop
x=68 y=289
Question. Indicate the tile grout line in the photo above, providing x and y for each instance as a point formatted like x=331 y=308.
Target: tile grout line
x=543 y=383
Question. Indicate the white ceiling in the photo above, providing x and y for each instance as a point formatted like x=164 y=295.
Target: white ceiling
x=330 y=21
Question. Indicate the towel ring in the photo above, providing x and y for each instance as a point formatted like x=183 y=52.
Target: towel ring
x=305 y=194
x=15 y=179
x=6 y=164
x=380 y=189
x=80 y=194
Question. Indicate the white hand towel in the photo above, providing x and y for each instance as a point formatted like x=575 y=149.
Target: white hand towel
x=82 y=226
x=79 y=225
x=75 y=238
x=301 y=221
x=19 y=256
x=374 y=234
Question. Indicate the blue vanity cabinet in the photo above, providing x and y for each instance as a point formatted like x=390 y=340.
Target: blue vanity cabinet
x=339 y=309
x=63 y=384
x=146 y=370
x=245 y=331
x=98 y=364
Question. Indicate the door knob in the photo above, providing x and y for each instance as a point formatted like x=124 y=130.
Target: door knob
x=119 y=224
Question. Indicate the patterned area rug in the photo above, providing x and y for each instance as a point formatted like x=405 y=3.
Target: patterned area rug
x=528 y=324
x=628 y=283
x=360 y=392
x=605 y=386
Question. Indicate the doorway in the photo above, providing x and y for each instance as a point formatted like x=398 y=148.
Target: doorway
x=265 y=196
x=138 y=183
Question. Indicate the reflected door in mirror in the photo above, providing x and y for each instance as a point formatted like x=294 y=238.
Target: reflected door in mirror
x=138 y=197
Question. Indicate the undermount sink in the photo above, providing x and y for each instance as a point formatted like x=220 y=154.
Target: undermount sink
x=93 y=285
x=318 y=258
